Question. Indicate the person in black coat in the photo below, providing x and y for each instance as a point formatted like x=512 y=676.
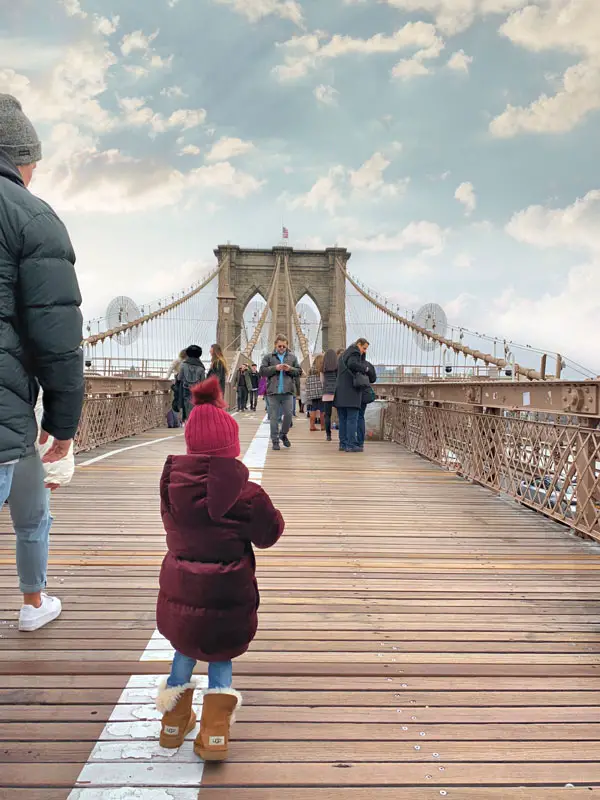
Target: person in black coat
x=40 y=346
x=351 y=380
x=368 y=396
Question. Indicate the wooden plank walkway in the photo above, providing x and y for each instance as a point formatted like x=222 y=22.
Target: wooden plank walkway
x=419 y=637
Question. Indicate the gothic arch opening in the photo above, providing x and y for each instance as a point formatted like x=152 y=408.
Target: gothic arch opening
x=250 y=319
x=311 y=324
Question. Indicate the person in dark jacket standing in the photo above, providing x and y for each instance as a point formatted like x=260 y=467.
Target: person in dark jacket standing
x=281 y=367
x=218 y=365
x=254 y=379
x=243 y=385
x=368 y=396
x=208 y=601
x=192 y=371
x=329 y=380
x=40 y=345
x=351 y=380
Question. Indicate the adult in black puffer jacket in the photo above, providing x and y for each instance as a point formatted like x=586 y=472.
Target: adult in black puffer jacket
x=349 y=393
x=40 y=343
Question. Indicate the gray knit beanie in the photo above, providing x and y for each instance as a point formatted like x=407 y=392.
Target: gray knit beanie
x=17 y=135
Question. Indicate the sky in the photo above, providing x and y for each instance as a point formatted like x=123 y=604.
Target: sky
x=453 y=146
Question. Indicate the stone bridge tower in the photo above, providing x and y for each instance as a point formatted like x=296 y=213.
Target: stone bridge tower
x=246 y=273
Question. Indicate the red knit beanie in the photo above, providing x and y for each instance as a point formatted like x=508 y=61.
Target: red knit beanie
x=210 y=430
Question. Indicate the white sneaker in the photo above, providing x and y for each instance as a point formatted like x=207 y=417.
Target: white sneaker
x=32 y=618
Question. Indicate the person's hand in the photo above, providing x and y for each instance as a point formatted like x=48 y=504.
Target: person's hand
x=285 y=367
x=52 y=486
x=59 y=449
x=279 y=367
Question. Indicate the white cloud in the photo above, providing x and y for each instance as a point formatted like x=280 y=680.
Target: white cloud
x=137 y=114
x=173 y=91
x=255 y=10
x=136 y=70
x=304 y=53
x=465 y=194
x=325 y=193
x=427 y=235
x=69 y=90
x=137 y=41
x=460 y=61
x=73 y=8
x=415 y=67
x=326 y=95
x=190 y=150
x=341 y=185
x=105 y=25
x=228 y=147
x=569 y=25
x=561 y=320
x=79 y=177
x=578 y=96
x=576 y=227
x=158 y=62
x=454 y=16
x=368 y=179
x=463 y=261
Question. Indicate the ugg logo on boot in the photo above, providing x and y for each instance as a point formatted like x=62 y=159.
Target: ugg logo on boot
x=216 y=740
x=171 y=731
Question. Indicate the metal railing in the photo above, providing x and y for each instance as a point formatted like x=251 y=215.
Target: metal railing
x=538 y=443
x=115 y=408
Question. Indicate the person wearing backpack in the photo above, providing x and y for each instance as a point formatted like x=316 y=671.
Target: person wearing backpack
x=191 y=372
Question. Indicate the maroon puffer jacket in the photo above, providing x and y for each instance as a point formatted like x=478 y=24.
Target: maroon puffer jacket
x=208 y=599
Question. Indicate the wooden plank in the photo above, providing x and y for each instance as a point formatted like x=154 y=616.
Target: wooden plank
x=386 y=774
x=398 y=793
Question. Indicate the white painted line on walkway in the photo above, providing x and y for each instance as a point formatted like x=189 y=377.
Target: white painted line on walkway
x=91 y=461
x=127 y=762
x=125 y=449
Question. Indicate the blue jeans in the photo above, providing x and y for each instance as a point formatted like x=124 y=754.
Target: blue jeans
x=348 y=427
x=22 y=484
x=361 y=428
x=220 y=673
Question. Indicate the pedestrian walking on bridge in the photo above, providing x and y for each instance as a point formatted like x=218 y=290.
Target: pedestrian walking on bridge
x=40 y=345
x=281 y=367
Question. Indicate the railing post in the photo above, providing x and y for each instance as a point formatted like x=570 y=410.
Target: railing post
x=587 y=480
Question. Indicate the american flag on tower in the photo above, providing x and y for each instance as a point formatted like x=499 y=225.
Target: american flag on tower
x=286 y=233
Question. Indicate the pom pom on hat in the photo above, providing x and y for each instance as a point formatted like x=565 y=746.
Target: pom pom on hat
x=210 y=430
x=208 y=393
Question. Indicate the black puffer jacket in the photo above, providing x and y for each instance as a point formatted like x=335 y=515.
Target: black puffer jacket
x=351 y=363
x=40 y=320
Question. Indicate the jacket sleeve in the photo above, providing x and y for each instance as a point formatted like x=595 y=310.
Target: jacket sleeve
x=267 y=370
x=295 y=369
x=371 y=373
x=355 y=364
x=267 y=522
x=49 y=300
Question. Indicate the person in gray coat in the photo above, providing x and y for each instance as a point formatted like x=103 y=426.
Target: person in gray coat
x=281 y=368
x=40 y=345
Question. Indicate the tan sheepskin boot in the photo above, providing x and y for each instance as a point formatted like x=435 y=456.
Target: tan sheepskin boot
x=218 y=713
x=175 y=704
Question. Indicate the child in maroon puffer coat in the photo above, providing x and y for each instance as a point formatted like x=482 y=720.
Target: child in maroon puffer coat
x=208 y=600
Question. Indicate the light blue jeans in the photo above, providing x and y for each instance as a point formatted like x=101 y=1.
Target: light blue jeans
x=22 y=484
x=220 y=673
